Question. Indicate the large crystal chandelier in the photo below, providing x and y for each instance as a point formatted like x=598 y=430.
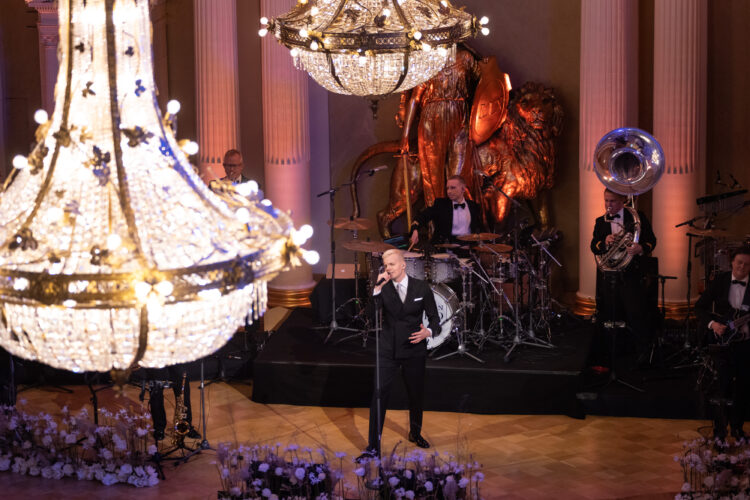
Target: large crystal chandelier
x=114 y=253
x=372 y=47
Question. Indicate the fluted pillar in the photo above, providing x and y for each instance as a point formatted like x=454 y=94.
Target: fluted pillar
x=48 y=28
x=680 y=39
x=609 y=99
x=286 y=143
x=216 y=83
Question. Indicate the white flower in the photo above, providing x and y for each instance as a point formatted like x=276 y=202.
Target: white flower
x=463 y=483
x=140 y=432
x=479 y=476
x=263 y=467
x=106 y=454
x=278 y=471
x=321 y=476
x=109 y=479
x=26 y=445
x=393 y=481
x=299 y=473
x=359 y=471
x=126 y=469
x=224 y=473
x=407 y=474
x=70 y=439
x=4 y=463
x=47 y=440
x=68 y=469
x=428 y=485
x=235 y=491
x=266 y=492
x=152 y=449
x=409 y=494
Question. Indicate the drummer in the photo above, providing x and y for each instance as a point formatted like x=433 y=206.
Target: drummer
x=452 y=216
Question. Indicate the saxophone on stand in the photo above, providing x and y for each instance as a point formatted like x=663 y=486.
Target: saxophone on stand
x=181 y=424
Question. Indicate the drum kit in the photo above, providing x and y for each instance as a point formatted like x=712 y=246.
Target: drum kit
x=487 y=293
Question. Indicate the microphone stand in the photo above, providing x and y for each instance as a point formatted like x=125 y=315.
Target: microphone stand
x=333 y=326
x=517 y=339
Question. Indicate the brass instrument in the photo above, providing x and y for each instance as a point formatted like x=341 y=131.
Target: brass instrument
x=181 y=424
x=629 y=162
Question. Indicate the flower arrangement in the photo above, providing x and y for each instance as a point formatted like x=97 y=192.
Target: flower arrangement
x=715 y=469
x=417 y=475
x=266 y=472
x=261 y=472
x=114 y=451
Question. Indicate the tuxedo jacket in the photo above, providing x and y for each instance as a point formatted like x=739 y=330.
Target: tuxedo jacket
x=401 y=319
x=603 y=228
x=441 y=215
x=713 y=304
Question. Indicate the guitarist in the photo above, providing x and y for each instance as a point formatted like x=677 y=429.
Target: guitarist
x=727 y=298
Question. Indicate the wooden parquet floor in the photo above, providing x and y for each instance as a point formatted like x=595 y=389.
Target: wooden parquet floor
x=524 y=457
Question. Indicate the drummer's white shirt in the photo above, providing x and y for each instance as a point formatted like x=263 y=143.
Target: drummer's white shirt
x=461 y=220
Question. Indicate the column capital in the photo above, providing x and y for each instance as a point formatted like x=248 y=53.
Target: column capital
x=44 y=7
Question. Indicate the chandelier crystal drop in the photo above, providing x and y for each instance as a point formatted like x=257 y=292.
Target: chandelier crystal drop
x=113 y=252
x=372 y=47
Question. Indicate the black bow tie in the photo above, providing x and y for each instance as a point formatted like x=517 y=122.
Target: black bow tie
x=738 y=282
x=459 y=205
x=612 y=217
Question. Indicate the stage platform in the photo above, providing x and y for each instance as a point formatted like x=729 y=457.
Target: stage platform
x=297 y=367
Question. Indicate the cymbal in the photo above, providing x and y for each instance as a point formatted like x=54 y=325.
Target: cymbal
x=448 y=245
x=478 y=237
x=711 y=233
x=358 y=224
x=367 y=246
x=497 y=247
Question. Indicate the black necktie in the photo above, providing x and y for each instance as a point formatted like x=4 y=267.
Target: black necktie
x=738 y=282
x=456 y=206
x=612 y=217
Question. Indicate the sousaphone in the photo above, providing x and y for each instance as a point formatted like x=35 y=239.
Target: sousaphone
x=628 y=161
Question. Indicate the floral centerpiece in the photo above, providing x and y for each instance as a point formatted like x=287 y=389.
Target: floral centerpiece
x=275 y=472
x=417 y=475
x=715 y=469
x=116 y=450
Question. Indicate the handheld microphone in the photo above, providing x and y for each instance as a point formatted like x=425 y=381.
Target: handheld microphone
x=372 y=171
x=381 y=280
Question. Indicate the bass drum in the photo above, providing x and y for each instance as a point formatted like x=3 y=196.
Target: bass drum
x=447 y=305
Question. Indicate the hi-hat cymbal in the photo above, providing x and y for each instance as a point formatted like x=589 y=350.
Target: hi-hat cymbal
x=367 y=246
x=711 y=233
x=496 y=247
x=358 y=224
x=478 y=237
x=448 y=245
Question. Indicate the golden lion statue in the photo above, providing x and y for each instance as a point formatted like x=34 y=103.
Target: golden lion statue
x=518 y=159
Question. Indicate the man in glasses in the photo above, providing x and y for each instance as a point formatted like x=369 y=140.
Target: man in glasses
x=233 y=167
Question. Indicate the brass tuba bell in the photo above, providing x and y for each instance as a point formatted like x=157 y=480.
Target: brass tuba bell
x=628 y=161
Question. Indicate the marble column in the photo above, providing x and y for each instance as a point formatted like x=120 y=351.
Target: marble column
x=680 y=41
x=609 y=100
x=217 y=85
x=48 y=28
x=286 y=142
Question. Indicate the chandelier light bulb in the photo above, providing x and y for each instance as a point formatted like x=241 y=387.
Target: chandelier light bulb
x=417 y=35
x=314 y=11
x=311 y=257
x=484 y=20
x=113 y=242
x=191 y=148
x=54 y=215
x=173 y=107
x=314 y=45
x=20 y=162
x=303 y=33
x=306 y=231
x=40 y=116
x=243 y=215
x=70 y=303
x=386 y=12
x=142 y=290
x=264 y=21
x=164 y=288
x=211 y=294
x=294 y=52
x=485 y=31
x=21 y=284
x=263 y=32
x=362 y=60
x=426 y=47
x=442 y=51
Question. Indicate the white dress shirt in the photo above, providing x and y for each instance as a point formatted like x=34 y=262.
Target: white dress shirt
x=461 y=219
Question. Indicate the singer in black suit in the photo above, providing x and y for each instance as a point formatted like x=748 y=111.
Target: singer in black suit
x=727 y=297
x=452 y=216
x=403 y=344
x=623 y=295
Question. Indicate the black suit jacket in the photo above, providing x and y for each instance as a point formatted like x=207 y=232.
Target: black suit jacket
x=401 y=319
x=603 y=228
x=441 y=215
x=713 y=304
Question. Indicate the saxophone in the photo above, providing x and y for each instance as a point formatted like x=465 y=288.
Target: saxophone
x=181 y=425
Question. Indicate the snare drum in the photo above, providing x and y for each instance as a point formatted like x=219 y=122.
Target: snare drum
x=447 y=305
x=415 y=264
x=442 y=268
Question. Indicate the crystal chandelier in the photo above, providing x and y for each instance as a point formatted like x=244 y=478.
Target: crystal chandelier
x=372 y=47
x=114 y=253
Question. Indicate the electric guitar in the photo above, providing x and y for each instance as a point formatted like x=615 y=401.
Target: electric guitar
x=732 y=333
